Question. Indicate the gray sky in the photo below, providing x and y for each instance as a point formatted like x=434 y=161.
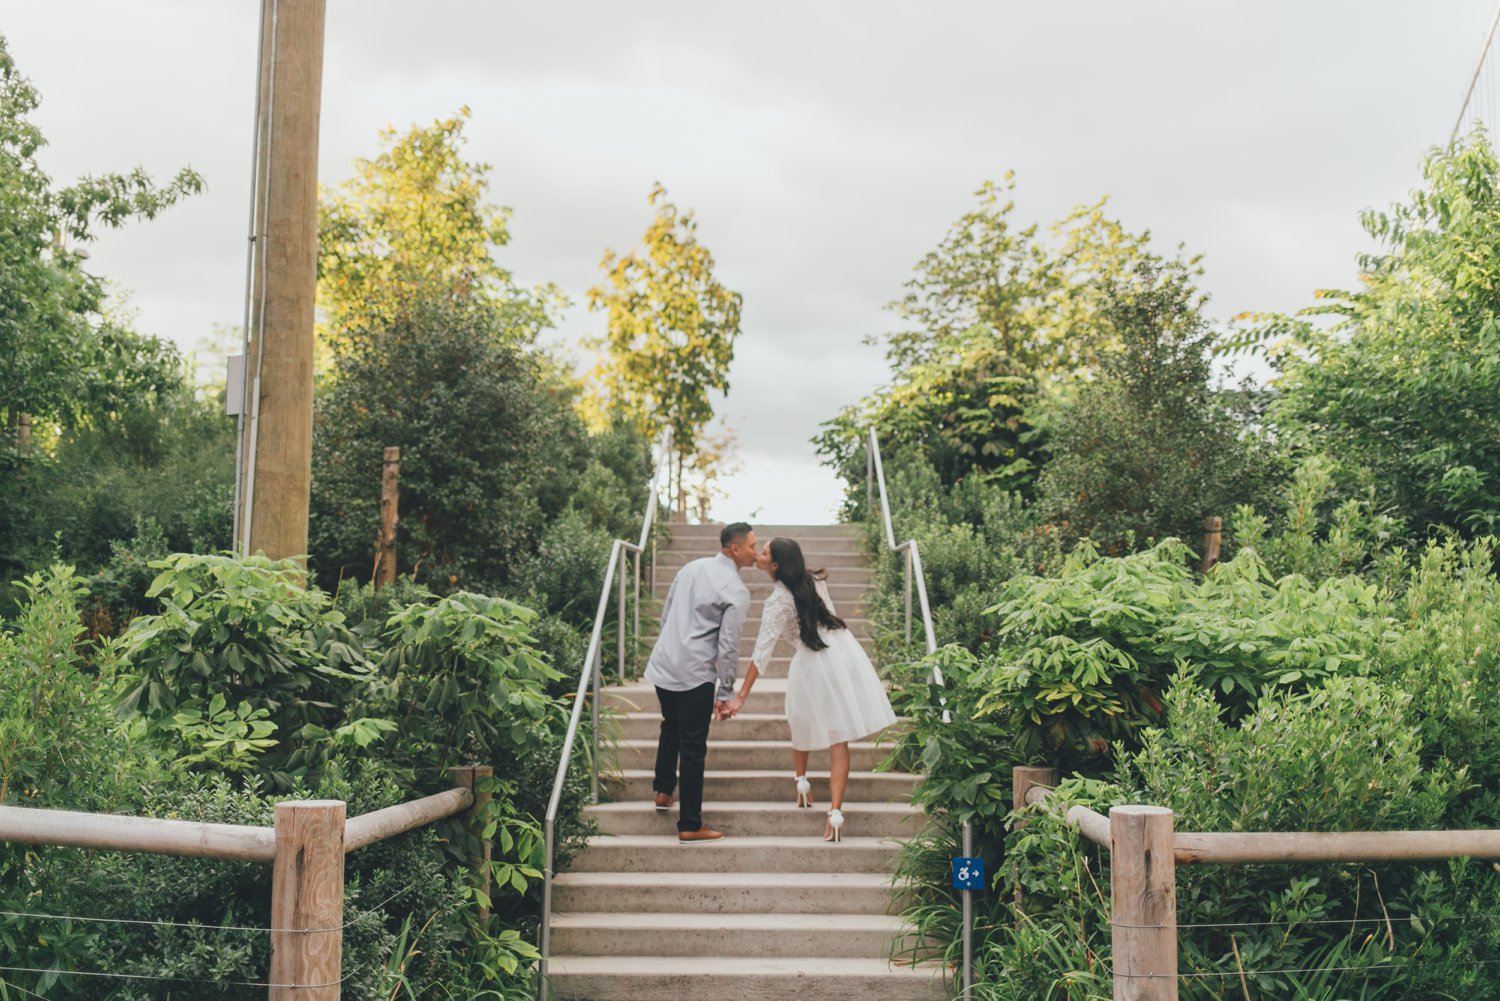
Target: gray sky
x=824 y=146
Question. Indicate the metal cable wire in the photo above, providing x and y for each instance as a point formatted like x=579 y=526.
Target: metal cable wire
x=9 y=986
x=200 y=980
x=1353 y=922
x=368 y=913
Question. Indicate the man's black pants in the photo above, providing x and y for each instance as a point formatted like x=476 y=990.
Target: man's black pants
x=684 y=738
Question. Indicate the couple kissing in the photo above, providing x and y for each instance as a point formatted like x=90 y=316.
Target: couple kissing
x=833 y=695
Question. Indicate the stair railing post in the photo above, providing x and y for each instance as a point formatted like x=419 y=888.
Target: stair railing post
x=307 y=901
x=1143 y=903
x=968 y=974
x=636 y=632
x=597 y=669
x=908 y=595
x=548 y=837
x=620 y=615
x=869 y=483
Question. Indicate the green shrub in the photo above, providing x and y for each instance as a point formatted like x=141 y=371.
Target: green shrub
x=1147 y=449
x=1320 y=531
x=246 y=629
x=1446 y=655
x=55 y=722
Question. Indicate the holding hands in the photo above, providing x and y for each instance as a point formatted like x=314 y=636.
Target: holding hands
x=728 y=709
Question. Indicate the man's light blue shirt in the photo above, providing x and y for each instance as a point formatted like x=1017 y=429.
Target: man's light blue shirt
x=700 y=628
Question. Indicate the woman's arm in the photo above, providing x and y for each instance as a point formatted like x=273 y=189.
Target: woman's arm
x=738 y=702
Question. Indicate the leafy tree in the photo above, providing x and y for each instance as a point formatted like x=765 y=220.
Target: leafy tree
x=489 y=443
x=1148 y=448
x=1403 y=388
x=55 y=356
x=670 y=333
x=412 y=228
x=1034 y=300
x=999 y=317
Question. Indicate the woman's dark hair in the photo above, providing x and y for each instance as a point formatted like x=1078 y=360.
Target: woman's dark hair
x=791 y=570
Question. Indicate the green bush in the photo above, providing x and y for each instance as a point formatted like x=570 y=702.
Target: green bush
x=55 y=719
x=248 y=630
x=157 y=480
x=429 y=682
x=1403 y=388
x=1147 y=449
x=490 y=449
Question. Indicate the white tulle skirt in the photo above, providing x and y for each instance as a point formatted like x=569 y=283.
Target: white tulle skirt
x=834 y=695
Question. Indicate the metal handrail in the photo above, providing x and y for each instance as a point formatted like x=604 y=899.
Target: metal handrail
x=875 y=473
x=593 y=668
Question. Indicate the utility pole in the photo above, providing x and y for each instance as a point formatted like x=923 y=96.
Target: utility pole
x=277 y=450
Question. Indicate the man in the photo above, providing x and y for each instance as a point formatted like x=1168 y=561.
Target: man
x=693 y=667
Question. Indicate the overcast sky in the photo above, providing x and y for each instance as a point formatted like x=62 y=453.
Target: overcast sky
x=824 y=147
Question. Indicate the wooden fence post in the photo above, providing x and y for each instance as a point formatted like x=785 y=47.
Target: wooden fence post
x=1213 y=534
x=23 y=431
x=467 y=777
x=1143 y=903
x=307 y=901
x=390 y=503
x=1022 y=778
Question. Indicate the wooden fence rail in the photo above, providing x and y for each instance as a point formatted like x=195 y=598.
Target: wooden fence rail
x=1145 y=851
x=306 y=849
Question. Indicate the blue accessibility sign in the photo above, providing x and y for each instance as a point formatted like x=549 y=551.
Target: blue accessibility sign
x=968 y=874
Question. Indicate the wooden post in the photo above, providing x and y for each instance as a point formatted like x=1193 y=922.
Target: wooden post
x=390 y=503
x=1022 y=778
x=1143 y=903
x=23 y=431
x=307 y=901
x=278 y=452
x=468 y=776
x=1213 y=532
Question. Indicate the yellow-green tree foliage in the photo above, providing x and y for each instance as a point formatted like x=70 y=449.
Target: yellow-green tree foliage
x=998 y=319
x=669 y=334
x=412 y=227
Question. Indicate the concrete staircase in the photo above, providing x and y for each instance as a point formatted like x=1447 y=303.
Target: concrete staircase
x=771 y=910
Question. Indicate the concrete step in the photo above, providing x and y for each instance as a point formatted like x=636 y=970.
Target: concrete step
x=646 y=725
x=728 y=782
x=726 y=751
x=763 y=532
x=777 y=667
x=806 y=852
x=736 y=978
x=669 y=561
x=728 y=892
x=745 y=726
x=849 y=587
x=785 y=647
x=846 y=586
x=768 y=696
x=766 y=935
x=740 y=819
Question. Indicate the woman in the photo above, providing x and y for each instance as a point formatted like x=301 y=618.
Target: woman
x=833 y=695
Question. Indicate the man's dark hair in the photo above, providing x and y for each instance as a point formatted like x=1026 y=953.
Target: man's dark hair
x=733 y=532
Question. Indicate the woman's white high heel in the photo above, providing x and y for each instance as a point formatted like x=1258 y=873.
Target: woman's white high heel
x=804 y=791
x=836 y=822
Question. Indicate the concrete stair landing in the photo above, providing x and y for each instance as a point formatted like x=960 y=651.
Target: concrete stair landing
x=772 y=911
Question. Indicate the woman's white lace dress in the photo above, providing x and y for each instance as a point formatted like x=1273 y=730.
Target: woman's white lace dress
x=833 y=694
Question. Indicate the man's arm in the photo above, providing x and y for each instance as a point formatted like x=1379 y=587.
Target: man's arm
x=730 y=627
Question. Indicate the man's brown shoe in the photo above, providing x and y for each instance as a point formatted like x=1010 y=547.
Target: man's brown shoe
x=702 y=834
x=663 y=802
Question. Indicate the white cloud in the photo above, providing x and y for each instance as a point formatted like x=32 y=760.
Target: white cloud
x=825 y=147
